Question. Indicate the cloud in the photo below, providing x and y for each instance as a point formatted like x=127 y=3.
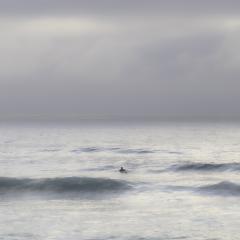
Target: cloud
x=116 y=8
x=177 y=59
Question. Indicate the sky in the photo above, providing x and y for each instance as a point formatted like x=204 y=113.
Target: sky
x=163 y=59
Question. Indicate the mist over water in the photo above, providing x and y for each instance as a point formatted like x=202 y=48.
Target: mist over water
x=61 y=181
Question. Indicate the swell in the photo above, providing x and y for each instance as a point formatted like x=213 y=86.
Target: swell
x=65 y=185
x=123 y=150
x=222 y=188
x=113 y=150
x=207 y=167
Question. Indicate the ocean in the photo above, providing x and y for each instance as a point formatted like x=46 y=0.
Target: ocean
x=61 y=181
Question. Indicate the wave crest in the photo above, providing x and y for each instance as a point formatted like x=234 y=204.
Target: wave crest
x=65 y=185
x=207 y=167
x=113 y=150
x=222 y=188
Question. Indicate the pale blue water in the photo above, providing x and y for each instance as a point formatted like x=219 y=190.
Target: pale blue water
x=62 y=182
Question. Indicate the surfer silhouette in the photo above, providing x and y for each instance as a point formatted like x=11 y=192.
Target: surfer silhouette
x=122 y=170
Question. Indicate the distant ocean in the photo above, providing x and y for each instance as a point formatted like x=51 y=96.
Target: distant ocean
x=61 y=181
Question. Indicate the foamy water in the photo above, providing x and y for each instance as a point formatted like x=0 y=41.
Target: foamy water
x=62 y=181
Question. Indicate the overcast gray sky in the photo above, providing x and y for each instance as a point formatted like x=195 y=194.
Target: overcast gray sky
x=119 y=59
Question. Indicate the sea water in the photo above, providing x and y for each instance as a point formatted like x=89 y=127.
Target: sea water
x=61 y=181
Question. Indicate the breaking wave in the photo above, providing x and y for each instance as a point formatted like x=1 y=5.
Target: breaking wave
x=207 y=167
x=65 y=185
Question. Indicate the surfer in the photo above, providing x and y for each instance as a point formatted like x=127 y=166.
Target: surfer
x=122 y=170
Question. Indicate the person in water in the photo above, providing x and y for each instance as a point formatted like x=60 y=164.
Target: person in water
x=122 y=170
